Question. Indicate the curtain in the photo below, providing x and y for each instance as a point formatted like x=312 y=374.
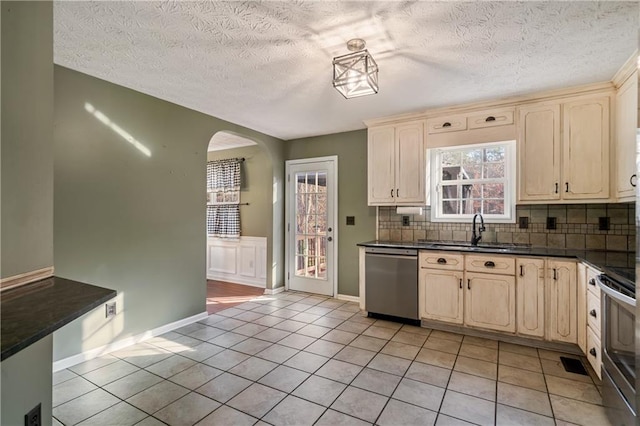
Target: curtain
x=223 y=203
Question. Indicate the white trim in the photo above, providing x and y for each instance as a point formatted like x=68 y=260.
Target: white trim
x=123 y=343
x=26 y=278
x=348 y=298
x=549 y=95
x=240 y=261
x=334 y=160
x=509 y=215
x=626 y=70
x=274 y=291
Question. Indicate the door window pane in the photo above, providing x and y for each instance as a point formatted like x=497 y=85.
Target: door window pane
x=311 y=224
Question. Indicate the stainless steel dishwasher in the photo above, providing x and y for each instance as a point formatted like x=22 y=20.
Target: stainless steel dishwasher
x=391 y=280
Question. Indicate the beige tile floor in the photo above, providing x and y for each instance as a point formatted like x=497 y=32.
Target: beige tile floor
x=300 y=359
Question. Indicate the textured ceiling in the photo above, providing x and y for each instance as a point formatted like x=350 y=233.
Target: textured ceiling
x=223 y=140
x=267 y=65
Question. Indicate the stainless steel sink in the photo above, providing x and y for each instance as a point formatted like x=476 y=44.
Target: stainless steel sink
x=460 y=245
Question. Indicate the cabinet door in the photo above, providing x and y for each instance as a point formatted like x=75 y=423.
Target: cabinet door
x=594 y=353
x=562 y=317
x=530 y=296
x=410 y=165
x=585 y=145
x=581 y=309
x=381 y=165
x=490 y=301
x=626 y=125
x=539 y=152
x=441 y=296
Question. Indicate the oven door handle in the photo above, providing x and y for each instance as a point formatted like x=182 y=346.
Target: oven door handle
x=617 y=296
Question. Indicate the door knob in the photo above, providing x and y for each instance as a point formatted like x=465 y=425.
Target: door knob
x=592 y=351
x=329 y=239
x=329 y=229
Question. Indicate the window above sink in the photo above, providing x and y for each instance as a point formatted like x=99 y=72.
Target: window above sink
x=471 y=179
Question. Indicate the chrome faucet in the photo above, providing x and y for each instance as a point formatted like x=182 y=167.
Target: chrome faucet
x=476 y=236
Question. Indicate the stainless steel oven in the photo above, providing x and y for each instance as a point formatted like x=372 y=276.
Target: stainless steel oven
x=618 y=349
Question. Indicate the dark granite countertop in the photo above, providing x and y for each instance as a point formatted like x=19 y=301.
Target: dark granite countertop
x=33 y=311
x=604 y=260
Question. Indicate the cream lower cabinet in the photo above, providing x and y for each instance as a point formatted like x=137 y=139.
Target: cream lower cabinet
x=530 y=296
x=490 y=301
x=441 y=295
x=561 y=301
x=590 y=318
x=527 y=296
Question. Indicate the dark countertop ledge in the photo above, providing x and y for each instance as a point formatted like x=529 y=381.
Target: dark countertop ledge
x=602 y=260
x=33 y=311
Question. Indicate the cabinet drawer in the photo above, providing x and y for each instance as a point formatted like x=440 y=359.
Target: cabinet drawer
x=490 y=119
x=491 y=264
x=594 y=352
x=593 y=312
x=592 y=282
x=452 y=123
x=441 y=260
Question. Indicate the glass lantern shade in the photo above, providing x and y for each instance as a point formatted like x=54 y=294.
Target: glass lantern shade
x=355 y=74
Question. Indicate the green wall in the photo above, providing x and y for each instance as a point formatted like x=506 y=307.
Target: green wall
x=27 y=187
x=135 y=222
x=351 y=149
x=255 y=188
x=27 y=381
x=26 y=148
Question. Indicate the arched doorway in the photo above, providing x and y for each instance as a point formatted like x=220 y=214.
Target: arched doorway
x=236 y=266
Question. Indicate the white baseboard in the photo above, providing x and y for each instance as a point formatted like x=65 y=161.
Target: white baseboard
x=123 y=343
x=236 y=279
x=348 y=298
x=274 y=291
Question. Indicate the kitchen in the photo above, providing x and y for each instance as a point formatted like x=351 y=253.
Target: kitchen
x=363 y=214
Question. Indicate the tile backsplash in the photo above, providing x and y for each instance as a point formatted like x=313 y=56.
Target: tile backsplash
x=577 y=226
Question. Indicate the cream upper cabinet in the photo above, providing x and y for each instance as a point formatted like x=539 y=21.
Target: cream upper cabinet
x=396 y=164
x=563 y=150
x=539 y=152
x=530 y=296
x=381 y=165
x=585 y=149
x=626 y=128
x=561 y=301
x=490 y=301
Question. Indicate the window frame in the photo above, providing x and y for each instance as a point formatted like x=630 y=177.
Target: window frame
x=434 y=175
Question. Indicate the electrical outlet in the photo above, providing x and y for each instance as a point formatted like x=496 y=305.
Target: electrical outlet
x=523 y=222
x=551 y=223
x=604 y=223
x=33 y=417
x=110 y=309
x=406 y=221
x=351 y=220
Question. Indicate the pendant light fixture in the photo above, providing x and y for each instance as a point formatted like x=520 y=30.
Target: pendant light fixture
x=355 y=74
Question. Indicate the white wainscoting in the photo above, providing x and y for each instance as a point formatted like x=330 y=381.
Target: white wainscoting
x=242 y=261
